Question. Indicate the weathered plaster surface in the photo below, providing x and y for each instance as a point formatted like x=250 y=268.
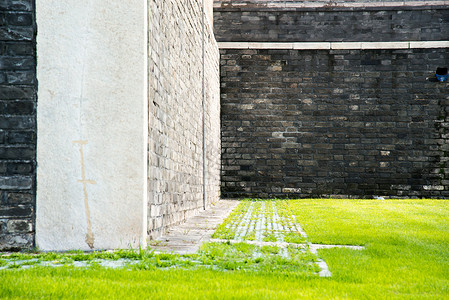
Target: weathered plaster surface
x=92 y=91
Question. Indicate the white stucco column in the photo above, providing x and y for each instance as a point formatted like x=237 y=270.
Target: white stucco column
x=209 y=11
x=92 y=124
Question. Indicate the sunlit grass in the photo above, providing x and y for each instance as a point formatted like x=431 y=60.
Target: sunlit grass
x=360 y=222
x=406 y=243
x=242 y=256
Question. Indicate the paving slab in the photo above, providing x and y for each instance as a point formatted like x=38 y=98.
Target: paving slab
x=187 y=237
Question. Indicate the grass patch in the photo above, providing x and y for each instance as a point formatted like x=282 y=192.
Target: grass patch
x=242 y=256
x=406 y=243
x=99 y=283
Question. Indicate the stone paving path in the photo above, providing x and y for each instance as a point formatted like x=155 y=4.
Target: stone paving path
x=188 y=237
x=264 y=221
x=257 y=222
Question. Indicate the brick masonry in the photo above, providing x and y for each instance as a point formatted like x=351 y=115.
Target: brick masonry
x=288 y=4
x=331 y=24
x=312 y=123
x=17 y=124
x=360 y=123
x=175 y=130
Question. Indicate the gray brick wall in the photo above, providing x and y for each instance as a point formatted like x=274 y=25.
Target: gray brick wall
x=361 y=123
x=301 y=4
x=331 y=24
x=175 y=138
x=17 y=124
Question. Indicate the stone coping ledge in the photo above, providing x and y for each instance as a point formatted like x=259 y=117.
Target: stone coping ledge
x=334 y=45
x=327 y=5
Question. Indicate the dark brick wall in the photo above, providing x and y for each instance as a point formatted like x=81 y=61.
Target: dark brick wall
x=315 y=123
x=319 y=25
x=17 y=123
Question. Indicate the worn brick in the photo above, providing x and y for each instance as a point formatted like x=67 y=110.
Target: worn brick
x=19 y=108
x=18 y=226
x=17 y=153
x=16 y=211
x=14 y=198
x=17 y=122
x=21 y=137
x=14 y=92
x=16 y=242
x=16 y=5
x=15 y=183
x=16 y=33
x=16 y=63
x=19 y=19
x=19 y=48
x=18 y=168
x=20 y=77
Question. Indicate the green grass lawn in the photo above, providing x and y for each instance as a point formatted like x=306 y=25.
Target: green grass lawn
x=406 y=256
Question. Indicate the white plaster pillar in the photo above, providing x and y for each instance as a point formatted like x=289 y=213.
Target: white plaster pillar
x=92 y=124
x=209 y=11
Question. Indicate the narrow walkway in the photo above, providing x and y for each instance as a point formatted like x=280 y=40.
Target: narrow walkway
x=260 y=223
x=187 y=237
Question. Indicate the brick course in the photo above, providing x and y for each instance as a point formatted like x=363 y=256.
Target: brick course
x=331 y=24
x=358 y=123
x=17 y=124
